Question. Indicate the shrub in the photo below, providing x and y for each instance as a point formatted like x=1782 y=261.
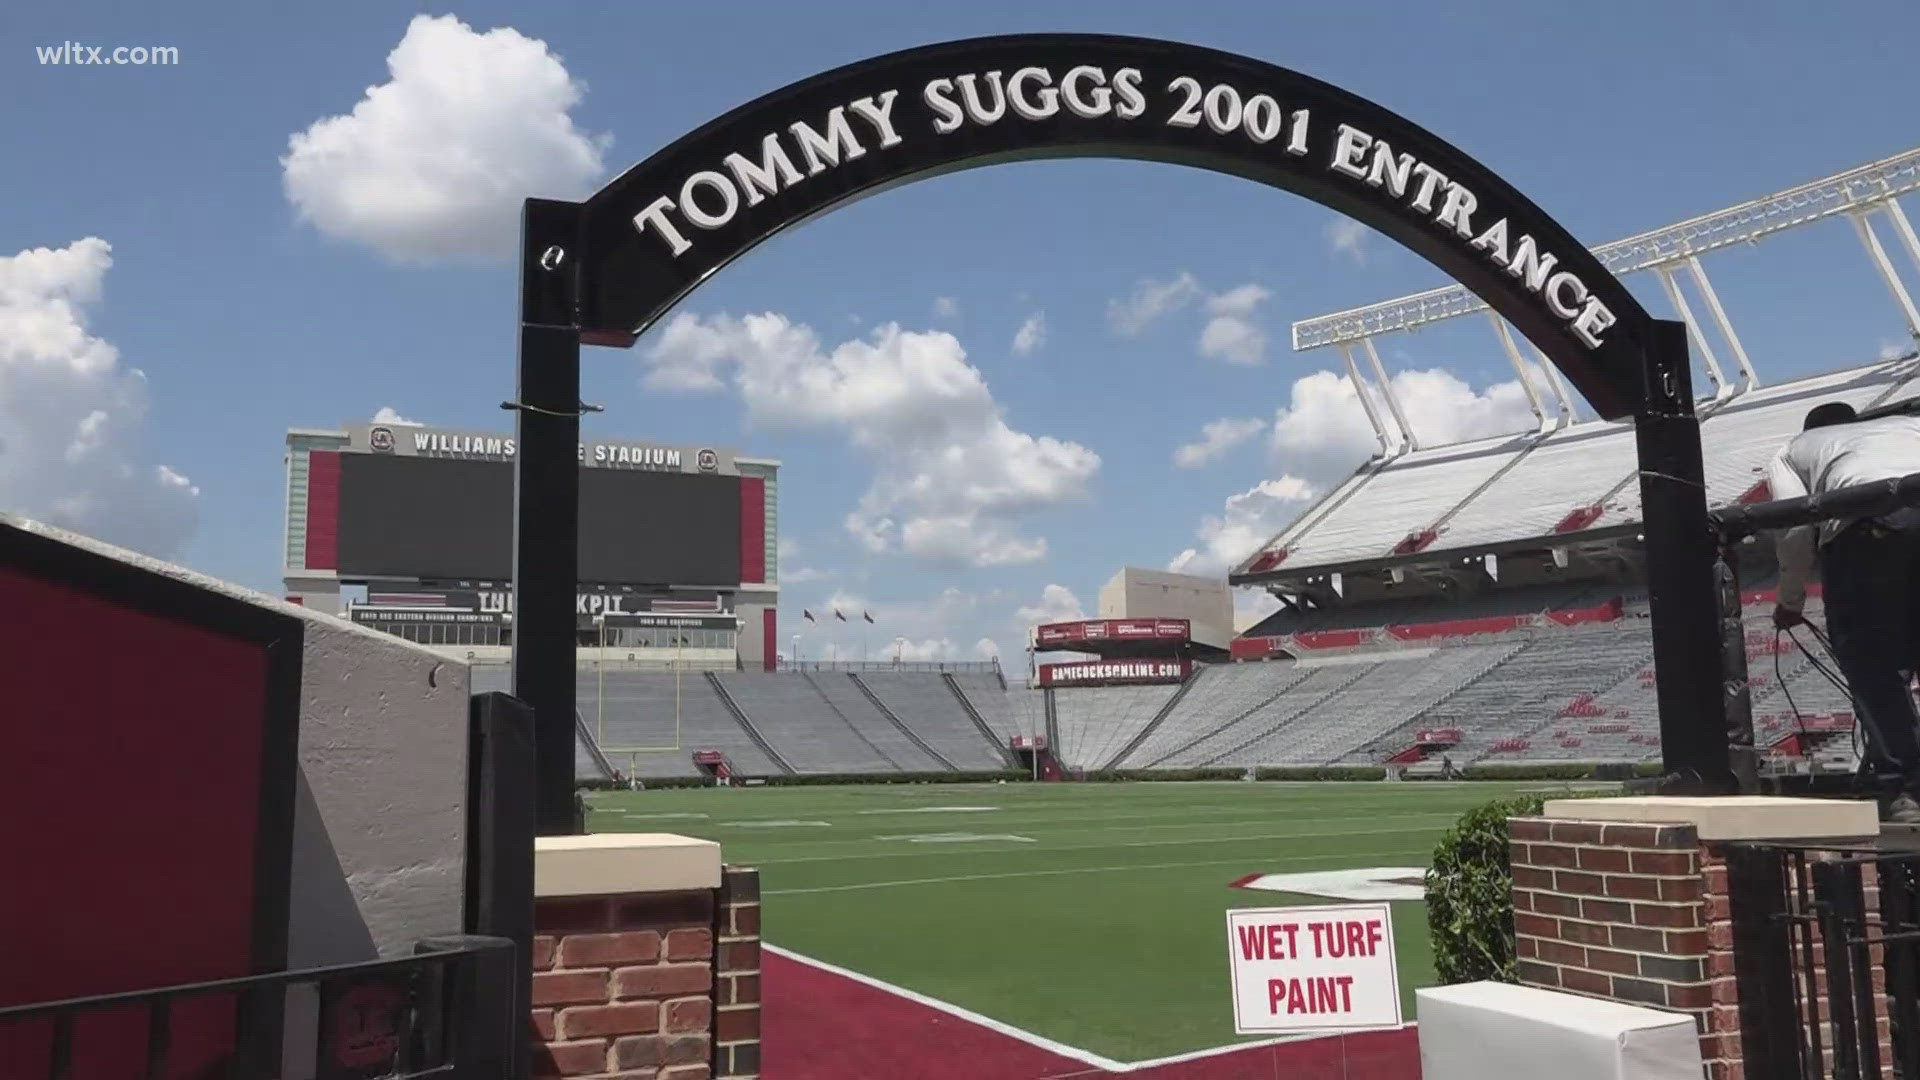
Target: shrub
x=812 y=779
x=1114 y=775
x=1321 y=772
x=1470 y=894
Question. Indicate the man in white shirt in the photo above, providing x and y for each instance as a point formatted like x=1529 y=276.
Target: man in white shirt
x=1870 y=568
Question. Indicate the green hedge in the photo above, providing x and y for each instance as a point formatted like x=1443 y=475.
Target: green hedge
x=1322 y=772
x=1470 y=895
x=1115 y=775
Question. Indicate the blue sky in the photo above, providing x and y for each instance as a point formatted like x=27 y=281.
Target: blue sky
x=252 y=302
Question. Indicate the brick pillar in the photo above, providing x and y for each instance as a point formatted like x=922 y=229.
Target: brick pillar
x=1641 y=910
x=736 y=996
x=627 y=940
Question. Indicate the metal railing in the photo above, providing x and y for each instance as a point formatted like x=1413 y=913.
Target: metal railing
x=447 y=1010
x=958 y=667
x=1827 y=959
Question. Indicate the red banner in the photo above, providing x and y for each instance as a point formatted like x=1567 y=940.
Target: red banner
x=1115 y=672
x=1060 y=634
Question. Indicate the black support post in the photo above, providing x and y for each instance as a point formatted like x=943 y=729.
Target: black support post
x=546 y=499
x=1681 y=560
x=1735 y=682
x=499 y=882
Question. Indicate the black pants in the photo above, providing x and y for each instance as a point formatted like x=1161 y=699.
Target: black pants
x=1872 y=580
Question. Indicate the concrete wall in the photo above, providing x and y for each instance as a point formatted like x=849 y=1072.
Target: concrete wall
x=1134 y=593
x=380 y=801
x=380 y=825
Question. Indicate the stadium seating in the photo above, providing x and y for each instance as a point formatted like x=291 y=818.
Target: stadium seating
x=931 y=709
x=800 y=724
x=1025 y=710
x=1096 y=721
x=867 y=719
x=1218 y=694
x=1383 y=700
x=1318 y=682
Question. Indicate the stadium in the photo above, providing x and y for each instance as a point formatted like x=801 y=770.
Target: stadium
x=1477 y=609
x=1504 y=754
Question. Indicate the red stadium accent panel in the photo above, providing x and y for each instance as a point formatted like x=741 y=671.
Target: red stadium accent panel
x=323 y=510
x=769 y=634
x=753 y=529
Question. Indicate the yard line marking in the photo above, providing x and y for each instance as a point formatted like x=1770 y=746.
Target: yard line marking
x=955 y=837
x=778 y=824
x=1041 y=1042
x=930 y=810
x=632 y=814
x=1182 y=842
x=1075 y=870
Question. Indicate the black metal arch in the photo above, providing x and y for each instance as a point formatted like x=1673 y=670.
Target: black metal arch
x=604 y=270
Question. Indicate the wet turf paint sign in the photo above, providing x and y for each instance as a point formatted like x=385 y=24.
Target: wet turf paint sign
x=1313 y=969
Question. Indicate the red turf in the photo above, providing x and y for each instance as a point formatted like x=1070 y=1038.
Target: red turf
x=817 y=1025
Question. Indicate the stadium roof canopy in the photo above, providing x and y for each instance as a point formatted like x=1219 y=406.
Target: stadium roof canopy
x=1571 y=488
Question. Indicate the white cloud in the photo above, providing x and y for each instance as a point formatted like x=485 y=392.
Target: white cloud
x=1031 y=335
x=1322 y=432
x=946 y=307
x=389 y=415
x=1348 y=237
x=1248 y=520
x=1057 y=604
x=952 y=480
x=930 y=649
x=1150 y=301
x=72 y=417
x=986 y=648
x=1250 y=606
x=1231 y=333
x=434 y=163
x=1894 y=350
x=790 y=574
x=1216 y=438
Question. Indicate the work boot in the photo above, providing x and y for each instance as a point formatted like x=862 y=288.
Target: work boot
x=1903 y=810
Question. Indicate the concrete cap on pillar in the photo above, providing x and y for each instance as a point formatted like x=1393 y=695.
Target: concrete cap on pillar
x=1732 y=817
x=608 y=864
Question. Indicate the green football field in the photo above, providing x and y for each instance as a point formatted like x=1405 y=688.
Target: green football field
x=1089 y=913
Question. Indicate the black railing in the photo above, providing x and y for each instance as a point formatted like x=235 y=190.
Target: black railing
x=959 y=667
x=447 y=1010
x=1827 y=947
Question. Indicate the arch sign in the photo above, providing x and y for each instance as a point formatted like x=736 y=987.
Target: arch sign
x=658 y=230
x=605 y=270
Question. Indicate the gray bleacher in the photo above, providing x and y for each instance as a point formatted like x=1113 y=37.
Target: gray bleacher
x=1024 y=711
x=792 y=716
x=1220 y=694
x=1525 y=692
x=637 y=709
x=1318 y=682
x=994 y=701
x=1400 y=686
x=924 y=703
x=1096 y=721
x=843 y=694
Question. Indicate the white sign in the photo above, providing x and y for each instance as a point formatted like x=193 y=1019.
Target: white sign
x=1313 y=969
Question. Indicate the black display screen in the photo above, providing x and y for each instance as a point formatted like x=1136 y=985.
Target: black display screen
x=440 y=518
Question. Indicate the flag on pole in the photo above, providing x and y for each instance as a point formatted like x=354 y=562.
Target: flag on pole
x=867 y=616
x=837 y=615
x=807 y=615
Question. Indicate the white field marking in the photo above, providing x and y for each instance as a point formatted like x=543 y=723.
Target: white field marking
x=1040 y=1042
x=955 y=837
x=1201 y=823
x=1182 y=842
x=631 y=814
x=1076 y=870
x=781 y=824
x=932 y=810
x=1370 y=883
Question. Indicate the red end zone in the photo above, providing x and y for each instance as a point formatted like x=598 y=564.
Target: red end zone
x=818 y=1023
